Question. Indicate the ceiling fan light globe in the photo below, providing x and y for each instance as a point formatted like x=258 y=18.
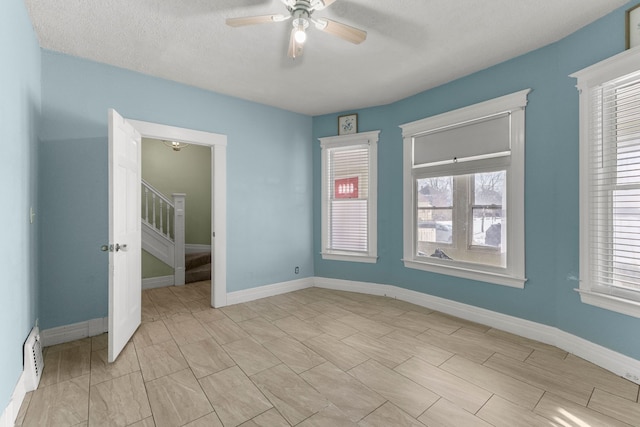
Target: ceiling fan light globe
x=300 y=36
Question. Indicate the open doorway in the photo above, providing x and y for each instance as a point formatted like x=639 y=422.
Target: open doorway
x=217 y=234
x=176 y=213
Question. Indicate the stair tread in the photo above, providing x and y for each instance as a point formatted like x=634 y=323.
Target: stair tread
x=196 y=259
x=197 y=274
x=203 y=267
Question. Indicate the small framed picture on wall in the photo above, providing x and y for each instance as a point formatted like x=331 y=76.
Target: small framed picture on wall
x=632 y=24
x=348 y=124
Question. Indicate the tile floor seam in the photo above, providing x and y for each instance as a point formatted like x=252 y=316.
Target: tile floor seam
x=430 y=406
x=440 y=396
x=470 y=382
x=448 y=358
x=375 y=409
x=483 y=405
x=264 y=412
x=508 y=374
x=544 y=392
x=602 y=413
x=143 y=382
x=590 y=397
x=146 y=392
x=89 y=404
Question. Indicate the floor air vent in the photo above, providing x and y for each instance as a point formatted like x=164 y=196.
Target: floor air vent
x=33 y=361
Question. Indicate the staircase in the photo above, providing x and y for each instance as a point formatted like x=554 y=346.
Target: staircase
x=163 y=236
x=198 y=267
x=163 y=229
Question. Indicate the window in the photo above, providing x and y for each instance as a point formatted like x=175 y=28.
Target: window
x=610 y=183
x=349 y=197
x=443 y=218
x=464 y=192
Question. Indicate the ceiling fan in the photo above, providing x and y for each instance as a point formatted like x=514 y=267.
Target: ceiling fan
x=300 y=12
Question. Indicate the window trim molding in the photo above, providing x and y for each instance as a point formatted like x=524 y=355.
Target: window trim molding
x=371 y=138
x=617 y=66
x=514 y=274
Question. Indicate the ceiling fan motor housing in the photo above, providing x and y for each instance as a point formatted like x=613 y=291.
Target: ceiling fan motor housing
x=301 y=10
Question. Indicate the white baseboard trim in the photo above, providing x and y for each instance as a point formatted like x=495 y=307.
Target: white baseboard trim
x=613 y=361
x=157 y=282
x=193 y=248
x=75 y=331
x=252 y=294
x=10 y=413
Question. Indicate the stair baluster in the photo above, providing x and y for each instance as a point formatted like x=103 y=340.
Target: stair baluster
x=146 y=204
x=161 y=225
x=169 y=234
x=153 y=204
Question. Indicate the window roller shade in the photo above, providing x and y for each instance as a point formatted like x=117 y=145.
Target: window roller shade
x=485 y=138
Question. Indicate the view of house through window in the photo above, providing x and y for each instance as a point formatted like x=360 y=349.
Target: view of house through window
x=487 y=210
x=462 y=217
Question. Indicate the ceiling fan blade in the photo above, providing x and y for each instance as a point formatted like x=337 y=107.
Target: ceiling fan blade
x=295 y=48
x=321 y=4
x=289 y=3
x=251 y=20
x=344 y=31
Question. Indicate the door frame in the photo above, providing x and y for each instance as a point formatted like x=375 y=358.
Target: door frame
x=218 y=144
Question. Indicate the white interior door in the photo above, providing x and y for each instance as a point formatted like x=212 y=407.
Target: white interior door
x=125 y=284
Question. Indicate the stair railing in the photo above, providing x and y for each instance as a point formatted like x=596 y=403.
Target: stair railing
x=166 y=217
x=158 y=211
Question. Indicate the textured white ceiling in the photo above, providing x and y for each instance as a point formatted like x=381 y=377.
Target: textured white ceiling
x=412 y=45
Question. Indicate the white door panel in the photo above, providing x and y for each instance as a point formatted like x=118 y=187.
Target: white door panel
x=125 y=284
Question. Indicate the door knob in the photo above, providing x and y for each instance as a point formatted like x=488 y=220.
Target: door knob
x=104 y=248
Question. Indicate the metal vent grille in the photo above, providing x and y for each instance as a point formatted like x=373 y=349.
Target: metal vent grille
x=36 y=353
x=34 y=363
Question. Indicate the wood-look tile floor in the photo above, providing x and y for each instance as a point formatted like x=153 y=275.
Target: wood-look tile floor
x=319 y=357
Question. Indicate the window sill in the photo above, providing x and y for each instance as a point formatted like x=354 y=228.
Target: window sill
x=349 y=257
x=610 y=302
x=466 y=273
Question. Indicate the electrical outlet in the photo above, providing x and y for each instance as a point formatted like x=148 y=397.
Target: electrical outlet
x=297 y=270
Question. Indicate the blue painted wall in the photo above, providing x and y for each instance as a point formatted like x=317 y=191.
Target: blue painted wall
x=269 y=228
x=64 y=100
x=551 y=199
x=19 y=116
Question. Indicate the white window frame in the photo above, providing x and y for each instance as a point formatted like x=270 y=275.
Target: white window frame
x=588 y=79
x=363 y=138
x=513 y=274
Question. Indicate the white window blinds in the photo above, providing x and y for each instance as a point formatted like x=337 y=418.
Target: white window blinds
x=349 y=197
x=614 y=188
x=348 y=193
